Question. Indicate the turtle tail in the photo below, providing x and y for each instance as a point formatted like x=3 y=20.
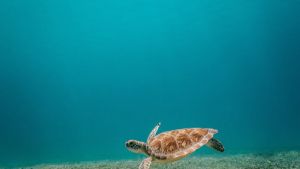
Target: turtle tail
x=215 y=144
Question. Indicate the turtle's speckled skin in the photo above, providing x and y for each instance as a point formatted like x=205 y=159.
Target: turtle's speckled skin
x=173 y=145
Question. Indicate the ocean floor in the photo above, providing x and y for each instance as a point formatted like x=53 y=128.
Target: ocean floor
x=280 y=160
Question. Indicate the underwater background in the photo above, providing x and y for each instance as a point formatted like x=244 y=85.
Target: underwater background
x=79 y=78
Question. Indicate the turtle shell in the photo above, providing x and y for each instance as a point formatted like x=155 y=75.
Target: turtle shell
x=176 y=144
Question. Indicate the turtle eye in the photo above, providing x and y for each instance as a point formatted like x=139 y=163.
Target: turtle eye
x=131 y=144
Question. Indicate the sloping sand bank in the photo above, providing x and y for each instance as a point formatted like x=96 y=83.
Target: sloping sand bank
x=281 y=160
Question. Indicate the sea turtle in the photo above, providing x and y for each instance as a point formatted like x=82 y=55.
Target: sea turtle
x=173 y=145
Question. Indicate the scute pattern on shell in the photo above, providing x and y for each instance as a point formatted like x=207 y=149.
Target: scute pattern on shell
x=179 y=143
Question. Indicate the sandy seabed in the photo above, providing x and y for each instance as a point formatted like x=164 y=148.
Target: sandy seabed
x=279 y=160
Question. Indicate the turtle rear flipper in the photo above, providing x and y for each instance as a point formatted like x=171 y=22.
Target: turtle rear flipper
x=215 y=144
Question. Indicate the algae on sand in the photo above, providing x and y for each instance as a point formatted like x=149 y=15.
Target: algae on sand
x=280 y=160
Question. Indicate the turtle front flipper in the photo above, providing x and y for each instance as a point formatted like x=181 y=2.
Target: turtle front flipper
x=145 y=164
x=153 y=132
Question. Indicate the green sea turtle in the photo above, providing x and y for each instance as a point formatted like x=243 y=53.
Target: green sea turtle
x=173 y=145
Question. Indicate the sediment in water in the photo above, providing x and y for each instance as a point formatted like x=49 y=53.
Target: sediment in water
x=280 y=160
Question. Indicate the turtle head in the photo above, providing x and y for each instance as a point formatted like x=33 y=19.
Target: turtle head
x=136 y=146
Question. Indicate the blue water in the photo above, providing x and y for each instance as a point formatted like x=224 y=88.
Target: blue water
x=79 y=78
